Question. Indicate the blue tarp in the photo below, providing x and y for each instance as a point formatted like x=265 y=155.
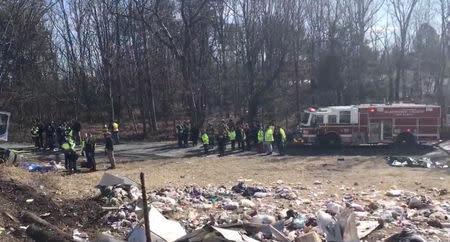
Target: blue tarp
x=35 y=167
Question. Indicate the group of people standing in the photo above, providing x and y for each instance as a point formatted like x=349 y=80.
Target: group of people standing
x=240 y=135
x=185 y=134
x=49 y=135
x=66 y=137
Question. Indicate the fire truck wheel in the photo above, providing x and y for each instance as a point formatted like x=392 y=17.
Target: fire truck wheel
x=405 y=140
x=331 y=140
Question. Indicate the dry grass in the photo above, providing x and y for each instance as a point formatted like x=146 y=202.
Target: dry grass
x=366 y=171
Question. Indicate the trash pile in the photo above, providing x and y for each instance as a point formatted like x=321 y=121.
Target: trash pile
x=277 y=213
x=424 y=162
x=120 y=197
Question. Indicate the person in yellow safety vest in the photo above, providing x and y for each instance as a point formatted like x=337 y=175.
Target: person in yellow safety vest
x=260 y=140
x=268 y=138
x=232 y=136
x=35 y=135
x=70 y=156
x=205 y=141
x=280 y=139
x=68 y=131
x=115 y=132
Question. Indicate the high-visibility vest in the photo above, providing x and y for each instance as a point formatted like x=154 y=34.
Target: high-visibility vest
x=269 y=134
x=34 y=131
x=68 y=145
x=232 y=135
x=69 y=132
x=205 y=139
x=260 y=136
x=65 y=146
x=283 y=135
x=115 y=127
x=244 y=137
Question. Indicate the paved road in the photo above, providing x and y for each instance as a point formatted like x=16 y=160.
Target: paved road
x=140 y=151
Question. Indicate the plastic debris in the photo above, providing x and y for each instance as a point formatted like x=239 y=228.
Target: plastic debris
x=424 y=162
x=257 y=213
x=407 y=234
x=309 y=237
x=80 y=236
x=394 y=193
x=212 y=233
x=31 y=167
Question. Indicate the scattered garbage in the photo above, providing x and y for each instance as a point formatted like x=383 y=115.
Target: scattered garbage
x=394 y=193
x=80 y=236
x=407 y=234
x=424 y=162
x=212 y=233
x=256 y=213
x=52 y=166
x=31 y=167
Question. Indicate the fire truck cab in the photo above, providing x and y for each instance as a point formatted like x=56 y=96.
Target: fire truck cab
x=371 y=124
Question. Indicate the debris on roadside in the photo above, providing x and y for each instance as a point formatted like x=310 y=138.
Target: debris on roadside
x=406 y=161
x=52 y=166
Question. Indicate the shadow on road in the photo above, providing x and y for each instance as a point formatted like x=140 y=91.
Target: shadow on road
x=299 y=150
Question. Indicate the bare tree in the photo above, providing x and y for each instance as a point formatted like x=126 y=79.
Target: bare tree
x=402 y=12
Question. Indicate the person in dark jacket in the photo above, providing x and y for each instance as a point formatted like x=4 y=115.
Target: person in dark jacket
x=211 y=134
x=89 y=150
x=254 y=130
x=186 y=134
x=194 y=136
x=222 y=135
x=240 y=136
x=60 y=134
x=109 y=150
x=76 y=129
x=180 y=135
x=248 y=136
x=41 y=131
x=50 y=135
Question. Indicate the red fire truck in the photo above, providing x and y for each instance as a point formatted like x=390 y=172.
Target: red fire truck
x=405 y=124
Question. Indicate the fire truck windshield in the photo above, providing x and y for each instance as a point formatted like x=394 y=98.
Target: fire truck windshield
x=305 y=118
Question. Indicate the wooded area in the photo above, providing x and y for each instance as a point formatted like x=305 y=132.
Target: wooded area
x=148 y=61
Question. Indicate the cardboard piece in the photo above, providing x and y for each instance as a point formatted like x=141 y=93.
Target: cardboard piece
x=309 y=237
x=211 y=233
x=111 y=180
x=161 y=229
x=366 y=227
